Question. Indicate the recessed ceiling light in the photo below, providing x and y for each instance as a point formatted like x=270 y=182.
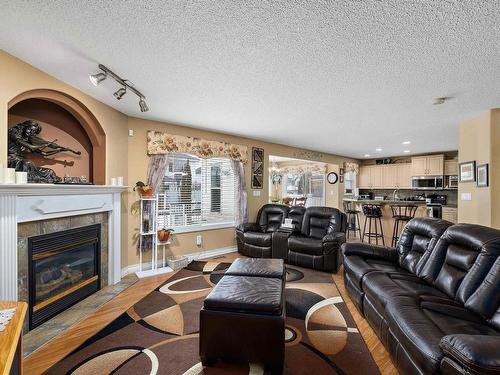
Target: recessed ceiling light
x=406 y=142
x=367 y=155
x=406 y=151
x=378 y=149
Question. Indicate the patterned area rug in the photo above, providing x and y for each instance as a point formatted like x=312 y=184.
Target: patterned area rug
x=159 y=334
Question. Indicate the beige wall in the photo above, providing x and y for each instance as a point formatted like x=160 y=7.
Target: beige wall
x=213 y=239
x=17 y=77
x=479 y=140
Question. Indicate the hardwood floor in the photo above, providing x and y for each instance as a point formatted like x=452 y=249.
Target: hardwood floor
x=377 y=349
x=53 y=351
x=56 y=349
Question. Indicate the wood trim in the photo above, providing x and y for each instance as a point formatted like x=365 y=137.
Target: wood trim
x=11 y=338
x=47 y=302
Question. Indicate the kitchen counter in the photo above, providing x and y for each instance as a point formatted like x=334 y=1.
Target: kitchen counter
x=386 y=201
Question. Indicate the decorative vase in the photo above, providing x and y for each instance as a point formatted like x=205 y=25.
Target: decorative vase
x=146 y=191
x=163 y=235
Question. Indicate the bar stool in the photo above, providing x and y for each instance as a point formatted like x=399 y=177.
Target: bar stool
x=353 y=223
x=401 y=213
x=373 y=212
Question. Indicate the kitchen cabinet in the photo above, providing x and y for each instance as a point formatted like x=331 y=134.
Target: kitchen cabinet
x=449 y=214
x=370 y=177
x=432 y=165
x=389 y=176
x=450 y=167
x=397 y=176
x=404 y=176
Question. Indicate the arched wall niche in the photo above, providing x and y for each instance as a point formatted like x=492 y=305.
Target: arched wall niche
x=65 y=111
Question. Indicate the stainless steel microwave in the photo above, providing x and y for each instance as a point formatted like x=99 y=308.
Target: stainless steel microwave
x=427 y=182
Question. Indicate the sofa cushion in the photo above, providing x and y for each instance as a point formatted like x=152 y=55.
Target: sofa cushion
x=465 y=256
x=420 y=325
x=382 y=287
x=417 y=240
x=305 y=245
x=319 y=221
x=258 y=239
x=357 y=267
x=271 y=216
x=262 y=295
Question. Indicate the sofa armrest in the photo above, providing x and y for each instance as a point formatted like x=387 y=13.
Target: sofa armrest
x=337 y=237
x=476 y=354
x=248 y=227
x=371 y=251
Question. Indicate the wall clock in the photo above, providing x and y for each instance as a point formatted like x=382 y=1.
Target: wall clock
x=332 y=177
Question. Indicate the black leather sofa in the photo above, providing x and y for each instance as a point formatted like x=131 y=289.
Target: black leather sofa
x=314 y=242
x=434 y=300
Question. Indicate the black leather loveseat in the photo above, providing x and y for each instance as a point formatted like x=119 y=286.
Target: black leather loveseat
x=314 y=242
x=434 y=300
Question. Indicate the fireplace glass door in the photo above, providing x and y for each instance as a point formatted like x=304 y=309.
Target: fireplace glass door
x=64 y=269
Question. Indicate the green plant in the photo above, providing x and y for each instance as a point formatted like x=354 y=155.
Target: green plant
x=139 y=185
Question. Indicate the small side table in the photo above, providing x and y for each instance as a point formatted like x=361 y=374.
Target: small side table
x=11 y=340
x=280 y=243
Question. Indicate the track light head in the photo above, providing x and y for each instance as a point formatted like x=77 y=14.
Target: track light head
x=142 y=104
x=96 y=79
x=120 y=92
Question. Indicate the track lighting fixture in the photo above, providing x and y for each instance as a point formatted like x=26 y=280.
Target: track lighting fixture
x=97 y=78
x=126 y=85
x=142 y=104
x=120 y=92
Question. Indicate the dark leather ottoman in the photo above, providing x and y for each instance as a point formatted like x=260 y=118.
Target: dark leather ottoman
x=243 y=320
x=260 y=267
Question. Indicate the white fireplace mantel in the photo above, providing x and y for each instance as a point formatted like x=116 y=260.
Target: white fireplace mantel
x=32 y=202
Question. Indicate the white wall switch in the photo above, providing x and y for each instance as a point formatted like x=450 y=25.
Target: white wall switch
x=256 y=193
x=466 y=196
x=131 y=132
x=199 y=240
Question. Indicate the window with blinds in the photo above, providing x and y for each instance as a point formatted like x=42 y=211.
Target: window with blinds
x=196 y=193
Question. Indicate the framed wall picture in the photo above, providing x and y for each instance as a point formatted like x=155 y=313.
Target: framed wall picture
x=257 y=168
x=467 y=171
x=482 y=175
x=341 y=172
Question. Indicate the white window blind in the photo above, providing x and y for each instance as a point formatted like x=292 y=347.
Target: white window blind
x=196 y=193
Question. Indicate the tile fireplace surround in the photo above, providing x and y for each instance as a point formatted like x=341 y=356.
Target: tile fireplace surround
x=21 y=205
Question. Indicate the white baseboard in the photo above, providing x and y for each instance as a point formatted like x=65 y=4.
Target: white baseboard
x=133 y=268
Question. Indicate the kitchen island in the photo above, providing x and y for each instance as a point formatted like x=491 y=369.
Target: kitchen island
x=387 y=220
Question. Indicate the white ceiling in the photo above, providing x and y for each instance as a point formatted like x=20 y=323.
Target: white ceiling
x=336 y=76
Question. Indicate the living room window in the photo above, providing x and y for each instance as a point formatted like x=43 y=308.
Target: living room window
x=197 y=194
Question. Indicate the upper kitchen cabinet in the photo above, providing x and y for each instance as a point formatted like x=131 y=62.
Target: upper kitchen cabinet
x=432 y=165
x=370 y=177
x=397 y=176
x=450 y=168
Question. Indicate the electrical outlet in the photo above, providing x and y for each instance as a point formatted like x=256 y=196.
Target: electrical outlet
x=466 y=196
x=131 y=132
x=199 y=241
x=256 y=193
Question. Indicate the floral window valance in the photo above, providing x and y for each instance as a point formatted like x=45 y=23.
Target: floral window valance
x=351 y=167
x=164 y=143
x=301 y=168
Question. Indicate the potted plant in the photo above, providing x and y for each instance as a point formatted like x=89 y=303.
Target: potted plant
x=164 y=234
x=143 y=189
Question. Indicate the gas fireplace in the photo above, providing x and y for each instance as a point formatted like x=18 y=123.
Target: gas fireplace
x=64 y=268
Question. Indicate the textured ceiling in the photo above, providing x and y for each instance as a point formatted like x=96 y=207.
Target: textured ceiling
x=337 y=76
